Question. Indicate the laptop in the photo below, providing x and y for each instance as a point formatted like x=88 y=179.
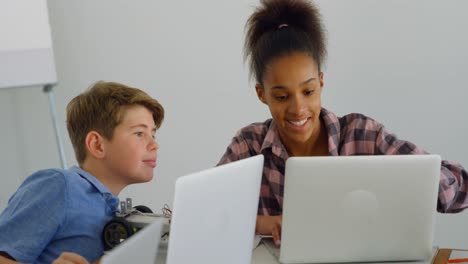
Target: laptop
x=142 y=247
x=359 y=208
x=214 y=214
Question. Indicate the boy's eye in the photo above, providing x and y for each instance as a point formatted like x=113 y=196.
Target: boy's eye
x=139 y=134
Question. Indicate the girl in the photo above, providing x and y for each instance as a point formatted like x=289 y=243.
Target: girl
x=285 y=47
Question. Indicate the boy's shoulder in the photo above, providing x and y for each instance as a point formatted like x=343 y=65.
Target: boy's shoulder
x=45 y=176
x=54 y=199
x=50 y=176
x=65 y=181
x=73 y=187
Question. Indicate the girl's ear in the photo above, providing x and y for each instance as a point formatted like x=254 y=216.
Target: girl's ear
x=260 y=93
x=321 y=79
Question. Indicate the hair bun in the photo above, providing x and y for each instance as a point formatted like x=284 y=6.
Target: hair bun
x=299 y=23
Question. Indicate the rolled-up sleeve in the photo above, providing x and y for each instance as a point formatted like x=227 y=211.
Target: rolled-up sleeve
x=453 y=177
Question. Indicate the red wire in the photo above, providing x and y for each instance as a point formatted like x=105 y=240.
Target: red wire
x=459 y=260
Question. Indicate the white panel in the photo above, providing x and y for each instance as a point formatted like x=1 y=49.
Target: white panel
x=26 y=56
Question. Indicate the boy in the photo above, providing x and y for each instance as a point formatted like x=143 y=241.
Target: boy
x=112 y=129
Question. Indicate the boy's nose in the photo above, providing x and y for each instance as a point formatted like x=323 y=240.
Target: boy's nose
x=153 y=145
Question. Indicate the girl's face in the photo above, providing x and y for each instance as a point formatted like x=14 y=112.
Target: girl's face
x=292 y=87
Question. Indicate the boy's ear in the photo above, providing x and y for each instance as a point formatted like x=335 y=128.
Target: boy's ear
x=95 y=145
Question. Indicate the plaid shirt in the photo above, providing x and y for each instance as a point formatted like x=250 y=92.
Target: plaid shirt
x=353 y=134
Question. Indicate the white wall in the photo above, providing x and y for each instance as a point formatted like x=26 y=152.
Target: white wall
x=401 y=62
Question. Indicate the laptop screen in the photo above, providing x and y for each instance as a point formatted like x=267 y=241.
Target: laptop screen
x=359 y=208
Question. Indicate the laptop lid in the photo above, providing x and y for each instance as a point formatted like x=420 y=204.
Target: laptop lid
x=140 y=248
x=214 y=214
x=359 y=208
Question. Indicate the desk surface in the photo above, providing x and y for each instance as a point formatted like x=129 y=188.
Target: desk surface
x=261 y=255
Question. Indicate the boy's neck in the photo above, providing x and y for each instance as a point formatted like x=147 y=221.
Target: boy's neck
x=103 y=175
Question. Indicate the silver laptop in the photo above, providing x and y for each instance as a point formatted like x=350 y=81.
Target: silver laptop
x=140 y=248
x=214 y=214
x=359 y=208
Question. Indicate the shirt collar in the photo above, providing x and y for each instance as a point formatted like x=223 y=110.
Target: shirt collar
x=111 y=200
x=272 y=141
x=91 y=179
x=332 y=125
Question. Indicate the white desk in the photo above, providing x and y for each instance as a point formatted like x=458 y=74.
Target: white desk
x=260 y=255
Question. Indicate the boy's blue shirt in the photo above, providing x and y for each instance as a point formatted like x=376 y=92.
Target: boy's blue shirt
x=53 y=211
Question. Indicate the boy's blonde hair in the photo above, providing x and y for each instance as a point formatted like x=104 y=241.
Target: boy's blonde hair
x=101 y=108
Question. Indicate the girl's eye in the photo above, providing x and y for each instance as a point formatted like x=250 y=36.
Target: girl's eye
x=281 y=97
x=309 y=92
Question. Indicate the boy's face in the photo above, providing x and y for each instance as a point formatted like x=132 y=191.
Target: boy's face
x=131 y=154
